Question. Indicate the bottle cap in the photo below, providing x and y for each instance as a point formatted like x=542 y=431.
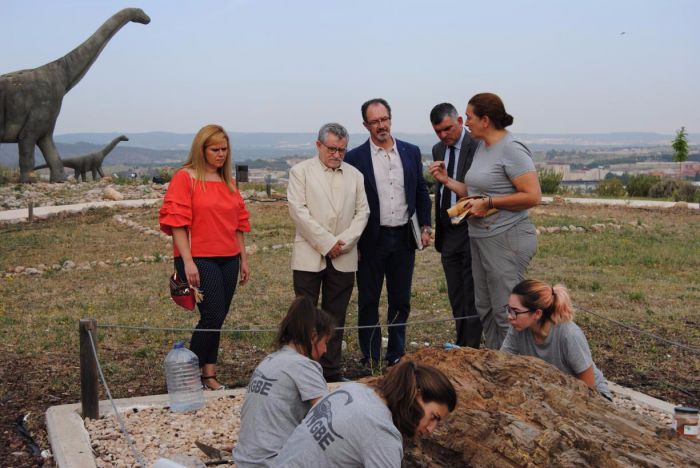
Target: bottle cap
x=179 y=344
x=685 y=409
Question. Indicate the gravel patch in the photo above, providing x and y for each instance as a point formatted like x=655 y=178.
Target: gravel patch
x=158 y=432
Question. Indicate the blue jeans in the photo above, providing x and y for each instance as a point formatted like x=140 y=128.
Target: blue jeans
x=393 y=258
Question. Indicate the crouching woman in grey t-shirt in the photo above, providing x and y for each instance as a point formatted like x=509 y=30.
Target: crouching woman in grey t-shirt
x=285 y=385
x=502 y=241
x=361 y=425
x=541 y=318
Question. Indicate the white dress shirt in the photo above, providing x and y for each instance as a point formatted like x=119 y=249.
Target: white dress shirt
x=388 y=175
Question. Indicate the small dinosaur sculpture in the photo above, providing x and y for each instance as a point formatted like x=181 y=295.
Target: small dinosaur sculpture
x=30 y=100
x=89 y=162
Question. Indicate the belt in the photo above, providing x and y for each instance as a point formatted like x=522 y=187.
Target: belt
x=394 y=228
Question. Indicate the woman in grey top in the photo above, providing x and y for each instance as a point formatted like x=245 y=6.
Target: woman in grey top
x=362 y=425
x=502 y=241
x=541 y=318
x=285 y=385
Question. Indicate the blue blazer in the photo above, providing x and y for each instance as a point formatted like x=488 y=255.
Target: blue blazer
x=417 y=195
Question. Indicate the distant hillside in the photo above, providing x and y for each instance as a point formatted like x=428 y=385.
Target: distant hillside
x=166 y=148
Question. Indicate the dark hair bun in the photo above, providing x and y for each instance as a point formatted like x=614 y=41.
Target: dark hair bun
x=507 y=120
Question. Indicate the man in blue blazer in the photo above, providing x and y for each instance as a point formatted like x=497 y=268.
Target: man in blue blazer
x=396 y=190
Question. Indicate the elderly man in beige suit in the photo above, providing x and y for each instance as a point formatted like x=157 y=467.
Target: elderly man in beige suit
x=328 y=205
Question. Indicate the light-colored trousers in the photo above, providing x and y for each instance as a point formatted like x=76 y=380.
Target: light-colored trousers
x=498 y=264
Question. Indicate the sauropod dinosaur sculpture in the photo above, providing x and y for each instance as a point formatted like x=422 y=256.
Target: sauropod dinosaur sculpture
x=30 y=100
x=89 y=162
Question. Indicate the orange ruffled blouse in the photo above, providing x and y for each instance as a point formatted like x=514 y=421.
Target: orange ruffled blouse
x=212 y=215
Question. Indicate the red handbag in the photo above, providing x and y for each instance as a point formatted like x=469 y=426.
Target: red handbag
x=183 y=294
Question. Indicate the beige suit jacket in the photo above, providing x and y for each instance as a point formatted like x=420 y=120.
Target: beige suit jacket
x=320 y=222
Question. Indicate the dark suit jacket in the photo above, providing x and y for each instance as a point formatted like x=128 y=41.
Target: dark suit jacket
x=449 y=238
x=417 y=196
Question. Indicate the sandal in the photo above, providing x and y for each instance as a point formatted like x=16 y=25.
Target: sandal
x=207 y=387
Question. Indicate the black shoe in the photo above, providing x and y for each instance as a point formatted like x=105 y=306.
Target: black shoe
x=392 y=362
x=337 y=378
x=369 y=363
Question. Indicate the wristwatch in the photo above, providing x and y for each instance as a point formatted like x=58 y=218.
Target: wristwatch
x=427 y=229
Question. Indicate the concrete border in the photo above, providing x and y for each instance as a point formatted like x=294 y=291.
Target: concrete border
x=642 y=399
x=620 y=202
x=22 y=214
x=70 y=441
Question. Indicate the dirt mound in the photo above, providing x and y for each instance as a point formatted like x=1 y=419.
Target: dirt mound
x=520 y=411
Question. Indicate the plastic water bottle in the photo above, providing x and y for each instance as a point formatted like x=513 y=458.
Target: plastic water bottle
x=184 y=382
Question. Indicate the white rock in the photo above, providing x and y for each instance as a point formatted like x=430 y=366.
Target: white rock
x=111 y=194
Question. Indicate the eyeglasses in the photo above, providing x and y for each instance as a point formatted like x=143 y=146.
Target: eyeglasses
x=514 y=313
x=374 y=123
x=334 y=149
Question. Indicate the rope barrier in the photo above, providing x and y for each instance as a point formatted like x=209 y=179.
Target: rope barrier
x=130 y=442
x=641 y=332
x=389 y=325
x=274 y=330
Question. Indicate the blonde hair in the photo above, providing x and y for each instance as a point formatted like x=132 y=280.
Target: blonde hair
x=196 y=159
x=553 y=301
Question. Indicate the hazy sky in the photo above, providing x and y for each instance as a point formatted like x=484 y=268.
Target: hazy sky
x=290 y=66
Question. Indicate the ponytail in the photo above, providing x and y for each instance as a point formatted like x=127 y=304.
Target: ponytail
x=553 y=301
x=402 y=387
x=303 y=322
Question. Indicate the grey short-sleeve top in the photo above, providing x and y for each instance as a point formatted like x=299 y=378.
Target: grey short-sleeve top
x=351 y=427
x=491 y=174
x=277 y=399
x=566 y=348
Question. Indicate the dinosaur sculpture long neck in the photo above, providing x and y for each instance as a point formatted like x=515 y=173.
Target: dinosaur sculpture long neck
x=73 y=66
x=108 y=149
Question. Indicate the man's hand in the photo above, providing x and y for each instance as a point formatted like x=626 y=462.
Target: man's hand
x=425 y=238
x=336 y=250
x=438 y=171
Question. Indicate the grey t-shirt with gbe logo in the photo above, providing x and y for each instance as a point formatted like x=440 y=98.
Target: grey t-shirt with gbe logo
x=277 y=400
x=351 y=427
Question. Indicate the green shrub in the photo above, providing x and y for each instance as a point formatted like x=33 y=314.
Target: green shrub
x=664 y=188
x=610 y=188
x=430 y=181
x=686 y=192
x=166 y=174
x=549 y=180
x=5 y=175
x=639 y=185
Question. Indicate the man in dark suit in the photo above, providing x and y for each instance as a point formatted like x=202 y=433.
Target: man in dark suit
x=396 y=190
x=457 y=149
